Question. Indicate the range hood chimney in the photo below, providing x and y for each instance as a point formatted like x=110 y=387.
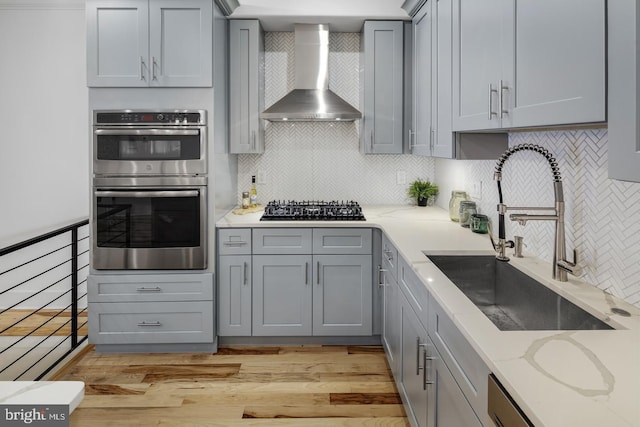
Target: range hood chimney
x=311 y=99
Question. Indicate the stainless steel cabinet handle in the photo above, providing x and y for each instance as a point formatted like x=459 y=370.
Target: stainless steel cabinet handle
x=371 y=141
x=145 y=323
x=145 y=289
x=411 y=144
x=425 y=359
x=253 y=140
x=234 y=243
x=491 y=92
x=141 y=68
x=501 y=109
x=389 y=256
x=147 y=194
x=381 y=278
x=245 y=273
x=418 y=367
x=431 y=134
x=318 y=277
x=153 y=68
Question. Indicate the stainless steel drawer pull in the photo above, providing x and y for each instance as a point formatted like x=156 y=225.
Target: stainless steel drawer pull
x=245 y=272
x=145 y=323
x=306 y=273
x=501 y=109
x=234 y=243
x=145 y=289
x=141 y=68
x=318 y=277
x=425 y=380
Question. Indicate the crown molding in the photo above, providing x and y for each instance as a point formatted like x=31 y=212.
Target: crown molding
x=42 y=5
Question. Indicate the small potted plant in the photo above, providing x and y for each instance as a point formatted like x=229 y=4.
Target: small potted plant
x=424 y=192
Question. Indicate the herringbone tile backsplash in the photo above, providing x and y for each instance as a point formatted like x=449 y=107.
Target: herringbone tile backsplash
x=322 y=161
x=602 y=215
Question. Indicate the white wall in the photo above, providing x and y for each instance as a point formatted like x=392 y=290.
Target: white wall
x=44 y=143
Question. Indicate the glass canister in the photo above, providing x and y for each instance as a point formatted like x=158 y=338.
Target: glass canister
x=467 y=208
x=454 y=204
x=479 y=223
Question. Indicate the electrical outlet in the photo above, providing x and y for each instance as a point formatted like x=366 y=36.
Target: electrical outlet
x=476 y=190
x=262 y=177
x=401 y=177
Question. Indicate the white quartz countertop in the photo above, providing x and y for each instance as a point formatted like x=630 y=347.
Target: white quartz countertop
x=559 y=378
x=42 y=393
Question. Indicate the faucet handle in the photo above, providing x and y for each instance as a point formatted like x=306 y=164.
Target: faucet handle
x=571 y=267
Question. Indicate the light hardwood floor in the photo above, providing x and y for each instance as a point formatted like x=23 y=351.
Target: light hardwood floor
x=305 y=386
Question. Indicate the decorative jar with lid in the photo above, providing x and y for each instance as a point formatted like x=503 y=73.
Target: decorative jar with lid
x=454 y=204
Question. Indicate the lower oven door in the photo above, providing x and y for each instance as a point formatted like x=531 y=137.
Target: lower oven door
x=149 y=227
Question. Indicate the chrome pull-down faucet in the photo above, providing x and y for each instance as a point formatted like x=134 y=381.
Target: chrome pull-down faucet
x=561 y=266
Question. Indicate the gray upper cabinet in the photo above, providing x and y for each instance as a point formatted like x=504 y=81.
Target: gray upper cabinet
x=246 y=87
x=421 y=136
x=141 y=43
x=624 y=90
x=432 y=84
x=382 y=87
x=533 y=63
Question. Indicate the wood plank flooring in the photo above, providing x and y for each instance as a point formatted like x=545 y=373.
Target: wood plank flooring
x=301 y=386
x=41 y=323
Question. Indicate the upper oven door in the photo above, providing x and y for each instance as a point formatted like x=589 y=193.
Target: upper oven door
x=128 y=150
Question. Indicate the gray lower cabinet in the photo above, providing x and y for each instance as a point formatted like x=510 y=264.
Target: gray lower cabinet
x=414 y=371
x=388 y=275
x=342 y=295
x=151 y=309
x=448 y=404
x=234 y=295
x=282 y=295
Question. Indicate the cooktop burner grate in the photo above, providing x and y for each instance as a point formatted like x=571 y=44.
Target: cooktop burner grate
x=310 y=210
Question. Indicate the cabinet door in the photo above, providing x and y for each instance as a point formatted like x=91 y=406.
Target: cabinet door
x=342 y=295
x=234 y=301
x=282 y=292
x=391 y=322
x=559 y=63
x=624 y=90
x=246 y=86
x=442 y=95
x=383 y=94
x=447 y=404
x=477 y=63
x=181 y=42
x=413 y=373
x=117 y=43
x=422 y=136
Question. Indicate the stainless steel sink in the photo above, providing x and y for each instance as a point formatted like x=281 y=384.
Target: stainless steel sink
x=512 y=300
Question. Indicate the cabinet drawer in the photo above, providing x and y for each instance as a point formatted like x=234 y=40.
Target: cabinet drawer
x=341 y=241
x=155 y=322
x=389 y=258
x=281 y=241
x=413 y=288
x=153 y=287
x=465 y=365
x=234 y=241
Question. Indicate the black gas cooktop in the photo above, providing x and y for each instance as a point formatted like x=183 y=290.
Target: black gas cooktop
x=289 y=210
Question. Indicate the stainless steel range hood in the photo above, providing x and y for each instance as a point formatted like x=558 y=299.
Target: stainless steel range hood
x=311 y=99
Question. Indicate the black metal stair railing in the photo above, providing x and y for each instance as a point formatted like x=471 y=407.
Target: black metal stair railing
x=42 y=281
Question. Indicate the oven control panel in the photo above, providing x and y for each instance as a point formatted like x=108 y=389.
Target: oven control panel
x=130 y=117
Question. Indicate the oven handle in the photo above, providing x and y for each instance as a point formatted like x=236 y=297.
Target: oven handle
x=142 y=194
x=152 y=132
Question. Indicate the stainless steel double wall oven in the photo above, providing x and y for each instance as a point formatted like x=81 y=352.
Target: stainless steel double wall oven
x=149 y=190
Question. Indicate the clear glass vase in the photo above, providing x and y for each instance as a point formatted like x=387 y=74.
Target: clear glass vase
x=454 y=204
